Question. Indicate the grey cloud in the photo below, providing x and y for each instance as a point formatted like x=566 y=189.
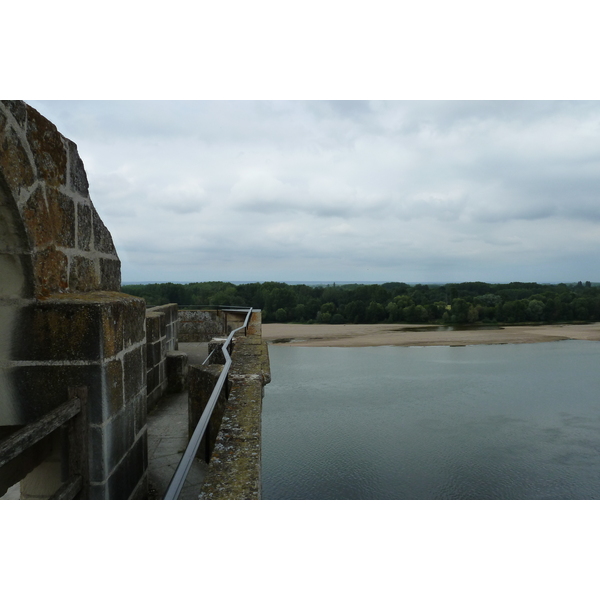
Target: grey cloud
x=405 y=190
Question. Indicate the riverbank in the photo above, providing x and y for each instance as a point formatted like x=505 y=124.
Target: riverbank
x=420 y=335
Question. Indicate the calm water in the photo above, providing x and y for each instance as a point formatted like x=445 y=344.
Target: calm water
x=477 y=422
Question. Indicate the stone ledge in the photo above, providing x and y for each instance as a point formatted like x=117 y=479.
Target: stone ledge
x=235 y=466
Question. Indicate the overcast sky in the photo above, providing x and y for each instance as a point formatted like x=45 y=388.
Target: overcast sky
x=344 y=191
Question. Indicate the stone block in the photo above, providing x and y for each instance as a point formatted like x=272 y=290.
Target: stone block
x=61 y=221
x=58 y=331
x=14 y=161
x=162 y=324
x=134 y=321
x=110 y=274
x=149 y=361
x=49 y=152
x=44 y=387
x=144 y=350
x=177 y=371
x=202 y=381
x=77 y=176
x=82 y=275
x=112 y=328
x=119 y=433
x=140 y=409
x=255 y=323
x=215 y=346
x=37 y=218
x=169 y=310
x=103 y=241
x=110 y=443
x=135 y=372
x=150 y=356
x=169 y=337
x=157 y=353
x=152 y=326
x=51 y=273
x=113 y=385
x=84 y=226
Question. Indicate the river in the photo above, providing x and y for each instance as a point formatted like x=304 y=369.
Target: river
x=477 y=422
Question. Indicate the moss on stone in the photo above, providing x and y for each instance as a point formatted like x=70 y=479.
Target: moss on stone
x=235 y=466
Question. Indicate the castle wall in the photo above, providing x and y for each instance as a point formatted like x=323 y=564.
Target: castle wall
x=203 y=325
x=200 y=325
x=63 y=321
x=162 y=324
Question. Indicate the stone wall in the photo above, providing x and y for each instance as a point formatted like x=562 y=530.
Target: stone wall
x=203 y=325
x=97 y=341
x=69 y=248
x=235 y=463
x=162 y=323
x=63 y=322
x=200 y=325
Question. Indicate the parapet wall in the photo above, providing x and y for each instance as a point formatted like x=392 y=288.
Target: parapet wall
x=203 y=325
x=162 y=323
x=235 y=465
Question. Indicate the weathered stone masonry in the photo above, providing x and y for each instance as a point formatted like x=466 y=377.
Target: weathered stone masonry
x=65 y=327
x=63 y=321
x=161 y=341
x=234 y=435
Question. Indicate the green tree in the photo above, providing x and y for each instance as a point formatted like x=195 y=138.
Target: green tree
x=328 y=307
x=323 y=317
x=355 y=311
x=535 y=310
x=472 y=314
x=393 y=312
x=300 y=312
x=420 y=313
x=460 y=310
x=375 y=312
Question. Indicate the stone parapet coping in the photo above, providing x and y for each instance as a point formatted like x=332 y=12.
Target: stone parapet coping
x=235 y=467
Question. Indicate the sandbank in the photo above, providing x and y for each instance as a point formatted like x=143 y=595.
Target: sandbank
x=421 y=335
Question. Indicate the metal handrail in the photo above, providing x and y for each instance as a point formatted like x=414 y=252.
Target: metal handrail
x=185 y=463
x=223 y=307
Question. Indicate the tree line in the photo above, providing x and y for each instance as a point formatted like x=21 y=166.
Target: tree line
x=394 y=302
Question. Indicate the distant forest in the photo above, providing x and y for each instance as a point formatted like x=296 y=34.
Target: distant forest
x=473 y=302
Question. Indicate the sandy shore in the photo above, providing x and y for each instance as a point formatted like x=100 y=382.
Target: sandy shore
x=425 y=335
